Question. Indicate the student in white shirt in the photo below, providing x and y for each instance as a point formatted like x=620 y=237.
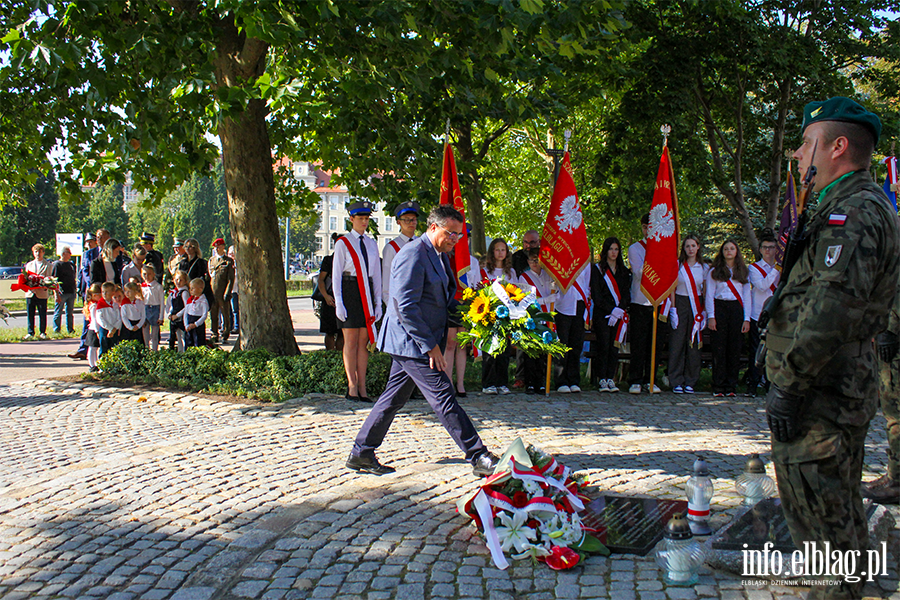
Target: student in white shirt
x=495 y=369
x=640 y=318
x=106 y=318
x=534 y=277
x=687 y=327
x=355 y=309
x=407 y=215
x=154 y=296
x=133 y=313
x=728 y=314
x=764 y=278
x=571 y=309
x=195 y=312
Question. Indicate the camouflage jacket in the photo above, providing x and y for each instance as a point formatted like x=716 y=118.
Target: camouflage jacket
x=837 y=299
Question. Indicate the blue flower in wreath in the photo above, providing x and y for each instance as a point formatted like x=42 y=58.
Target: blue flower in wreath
x=516 y=336
x=502 y=312
x=529 y=324
x=548 y=337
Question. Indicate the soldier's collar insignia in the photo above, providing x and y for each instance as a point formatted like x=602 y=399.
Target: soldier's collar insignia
x=832 y=255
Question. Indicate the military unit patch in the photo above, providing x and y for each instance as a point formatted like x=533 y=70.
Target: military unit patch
x=834 y=219
x=832 y=254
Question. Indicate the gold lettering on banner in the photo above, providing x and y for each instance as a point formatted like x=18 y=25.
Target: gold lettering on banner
x=651 y=274
x=664 y=182
x=443 y=186
x=568 y=167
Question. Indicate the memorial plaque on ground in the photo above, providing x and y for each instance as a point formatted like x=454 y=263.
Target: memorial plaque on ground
x=630 y=525
x=764 y=522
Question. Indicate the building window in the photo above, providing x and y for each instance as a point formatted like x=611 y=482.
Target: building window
x=332 y=200
x=375 y=220
x=318 y=243
x=388 y=224
x=346 y=199
x=332 y=223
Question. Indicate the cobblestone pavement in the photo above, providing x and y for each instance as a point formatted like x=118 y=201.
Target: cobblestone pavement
x=109 y=494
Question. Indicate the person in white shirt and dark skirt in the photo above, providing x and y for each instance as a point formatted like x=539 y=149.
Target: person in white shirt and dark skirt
x=357 y=299
x=728 y=314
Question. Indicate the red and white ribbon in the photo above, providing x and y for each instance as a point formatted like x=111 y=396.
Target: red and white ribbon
x=362 y=280
x=696 y=307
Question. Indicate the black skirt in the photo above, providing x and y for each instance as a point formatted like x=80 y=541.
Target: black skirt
x=356 y=316
x=91 y=340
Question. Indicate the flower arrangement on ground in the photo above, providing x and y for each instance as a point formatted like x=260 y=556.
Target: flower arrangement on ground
x=529 y=509
x=29 y=281
x=500 y=313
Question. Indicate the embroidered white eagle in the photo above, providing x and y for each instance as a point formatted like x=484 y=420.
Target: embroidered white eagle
x=569 y=218
x=662 y=222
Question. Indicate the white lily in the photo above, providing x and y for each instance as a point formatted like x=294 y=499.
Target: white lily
x=513 y=532
x=533 y=551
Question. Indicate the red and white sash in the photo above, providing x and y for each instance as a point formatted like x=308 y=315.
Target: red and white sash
x=587 y=305
x=622 y=327
x=537 y=290
x=362 y=280
x=735 y=292
x=696 y=307
x=393 y=244
x=764 y=274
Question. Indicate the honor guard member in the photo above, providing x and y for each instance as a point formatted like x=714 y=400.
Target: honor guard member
x=154 y=257
x=407 y=215
x=221 y=273
x=821 y=358
x=356 y=273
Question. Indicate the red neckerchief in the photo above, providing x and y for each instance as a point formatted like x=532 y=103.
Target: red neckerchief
x=192 y=298
x=102 y=303
x=124 y=301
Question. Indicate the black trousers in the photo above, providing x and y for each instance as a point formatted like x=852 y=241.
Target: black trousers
x=32 y=304
x=754 y=375
x=195 y=338
x=640 y=335
x=535 y=371
x=606 y=355
x=494 y=370
x=406 y=374
x=727 y=341
x=570 y=330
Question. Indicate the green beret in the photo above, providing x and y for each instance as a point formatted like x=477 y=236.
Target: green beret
x=841 y=109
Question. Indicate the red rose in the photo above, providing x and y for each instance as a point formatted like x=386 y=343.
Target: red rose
x=520 y=499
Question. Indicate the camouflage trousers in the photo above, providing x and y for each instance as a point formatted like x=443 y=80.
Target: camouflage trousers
x=819 y=477
x=890 y=406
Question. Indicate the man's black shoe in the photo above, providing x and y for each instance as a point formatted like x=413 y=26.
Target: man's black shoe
x=368 y=465
x=484 y=465
x=883 y=490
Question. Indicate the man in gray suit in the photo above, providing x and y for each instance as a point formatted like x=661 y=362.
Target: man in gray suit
x=414 y=333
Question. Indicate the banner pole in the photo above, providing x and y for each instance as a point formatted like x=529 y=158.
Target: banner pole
x=653 y=350
x=549 y=363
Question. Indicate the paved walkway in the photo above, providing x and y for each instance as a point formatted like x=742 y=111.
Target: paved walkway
x=105 y=494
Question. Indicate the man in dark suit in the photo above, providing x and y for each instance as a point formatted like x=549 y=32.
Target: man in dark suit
x=414 y=333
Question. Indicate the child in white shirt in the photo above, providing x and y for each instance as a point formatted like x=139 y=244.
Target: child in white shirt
x=153 y=300
x=133 y=313
x=106 y=318
x=175 y=306
x=196 y=310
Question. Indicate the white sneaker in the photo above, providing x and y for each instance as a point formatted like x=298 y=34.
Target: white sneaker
x=612 y=386
x=635 y=389
x=688 y=389
x=563 y=389
x=489 y=390
x=503 y=390
x=574 y=389
x=604 y=385
x=656 y=389
x=44 y=336
x=678 y=389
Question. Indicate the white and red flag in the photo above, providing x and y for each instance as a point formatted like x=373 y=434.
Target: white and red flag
x=660 y=272
x=565 y=251
x=451 y=194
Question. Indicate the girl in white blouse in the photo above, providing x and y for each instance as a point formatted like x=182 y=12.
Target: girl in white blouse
x=495 y=369
x=687 y=334
x=357 y=301
x=728 y=314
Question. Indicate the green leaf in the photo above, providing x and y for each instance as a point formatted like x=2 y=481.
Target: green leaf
x=591 y=545
x=492 y=75
x=532 y=7
x=12 y=36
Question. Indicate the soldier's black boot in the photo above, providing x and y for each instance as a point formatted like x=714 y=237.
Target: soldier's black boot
x=884 y=490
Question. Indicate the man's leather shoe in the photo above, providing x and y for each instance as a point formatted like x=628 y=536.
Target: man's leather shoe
x=78 y=356
x=367 y=464
x=484 y=465
x=883 y=490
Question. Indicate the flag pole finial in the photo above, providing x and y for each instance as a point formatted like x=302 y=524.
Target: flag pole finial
x=447 y=131
x=568 y=134
x=665 y=130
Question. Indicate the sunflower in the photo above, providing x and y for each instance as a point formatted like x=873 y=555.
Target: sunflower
x=517 y=296
x=468 y=294
x=511 y=289
x=479 y=309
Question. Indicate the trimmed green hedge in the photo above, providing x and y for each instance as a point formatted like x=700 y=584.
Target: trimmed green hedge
x=299 y=284
x=254 y=373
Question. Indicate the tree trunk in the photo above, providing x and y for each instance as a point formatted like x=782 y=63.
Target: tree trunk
x=249 y=182
x=472 y=189
x=773 y=205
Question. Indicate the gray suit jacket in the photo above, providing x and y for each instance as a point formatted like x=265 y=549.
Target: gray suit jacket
x=421 y=296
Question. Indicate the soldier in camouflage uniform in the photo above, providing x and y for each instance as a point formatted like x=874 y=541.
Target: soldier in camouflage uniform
x=886 y=489
x=821 y=357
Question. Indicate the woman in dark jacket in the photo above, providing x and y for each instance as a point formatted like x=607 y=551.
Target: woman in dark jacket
x=107 y=267
x=611 y=293
x=195 y=266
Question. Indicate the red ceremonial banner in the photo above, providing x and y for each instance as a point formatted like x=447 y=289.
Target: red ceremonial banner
x=451 y=194
x=660 y=273
x=565 y=251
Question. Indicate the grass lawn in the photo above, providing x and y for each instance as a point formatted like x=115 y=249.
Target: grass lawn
x=15 y=334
